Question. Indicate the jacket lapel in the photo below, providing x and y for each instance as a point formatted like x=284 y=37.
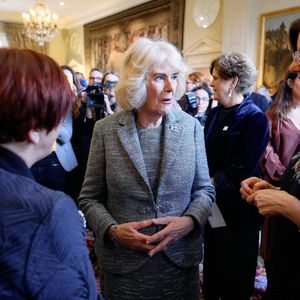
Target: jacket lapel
x=173 y=134
x=130 y=141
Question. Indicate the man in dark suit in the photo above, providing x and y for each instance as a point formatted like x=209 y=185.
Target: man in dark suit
x=260 y=101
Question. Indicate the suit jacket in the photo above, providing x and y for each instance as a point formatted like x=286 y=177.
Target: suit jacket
x=43 y=253
x=116 y=188
x=234 y=150
x=260 y=100
x=64 y=149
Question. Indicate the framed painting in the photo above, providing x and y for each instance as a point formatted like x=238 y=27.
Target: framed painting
x=275 y=55
x=107 y=39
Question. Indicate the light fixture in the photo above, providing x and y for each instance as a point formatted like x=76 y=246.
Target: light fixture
x=205 y=12
x=40 y=24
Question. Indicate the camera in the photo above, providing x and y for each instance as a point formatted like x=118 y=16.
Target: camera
x=188 y=103
x=95 y=96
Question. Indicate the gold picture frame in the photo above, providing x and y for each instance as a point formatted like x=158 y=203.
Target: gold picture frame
x=107 y=39
x=275 y=55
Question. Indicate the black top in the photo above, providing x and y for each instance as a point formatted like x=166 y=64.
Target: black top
x=284 y=274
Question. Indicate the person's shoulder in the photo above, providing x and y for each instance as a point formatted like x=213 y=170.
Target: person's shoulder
x=256 y=97
x=260 y=100
x=252 y=115
x=121 y=117
x=248 y=107
x=180 y=116
x=26 y=193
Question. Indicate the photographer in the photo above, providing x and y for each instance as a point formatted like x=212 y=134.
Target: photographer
x=197 y=103
x=109 y=83
x=96 y=75
x=95 y=103
x=92 y=106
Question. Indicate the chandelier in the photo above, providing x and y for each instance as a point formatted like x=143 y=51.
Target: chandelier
x=40 y=24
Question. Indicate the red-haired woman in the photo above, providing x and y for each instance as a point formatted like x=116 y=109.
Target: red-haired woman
x=42 y=248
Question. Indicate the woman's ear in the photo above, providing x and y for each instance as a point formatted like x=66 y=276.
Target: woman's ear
x=290 y=82
x=33 y=136
x=234 y=81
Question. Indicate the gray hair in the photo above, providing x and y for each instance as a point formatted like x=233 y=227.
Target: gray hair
x=140 y=58
x=229 y=65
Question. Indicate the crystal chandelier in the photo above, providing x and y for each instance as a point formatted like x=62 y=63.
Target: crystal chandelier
x=40 y=24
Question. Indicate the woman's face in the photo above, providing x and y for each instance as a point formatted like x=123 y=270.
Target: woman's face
x=221 y=88
x=202 y=101
x=295 y=86
x=161 y=87
x=295 y=66
x=190 y=85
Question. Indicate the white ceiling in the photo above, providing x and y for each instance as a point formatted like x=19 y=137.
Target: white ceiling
x=72 y=13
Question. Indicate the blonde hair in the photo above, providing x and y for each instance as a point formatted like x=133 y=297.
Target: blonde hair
x=140 y=58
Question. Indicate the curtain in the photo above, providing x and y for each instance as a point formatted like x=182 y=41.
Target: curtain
x=17 y=38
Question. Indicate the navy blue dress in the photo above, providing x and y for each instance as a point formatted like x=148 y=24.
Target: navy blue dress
x=235 y=139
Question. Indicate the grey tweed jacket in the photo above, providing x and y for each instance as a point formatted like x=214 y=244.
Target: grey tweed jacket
x=116 y=188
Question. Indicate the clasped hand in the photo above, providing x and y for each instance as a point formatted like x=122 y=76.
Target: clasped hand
x=268 y=199
x=127 y=234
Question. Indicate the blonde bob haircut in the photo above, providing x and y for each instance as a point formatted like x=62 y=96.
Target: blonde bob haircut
x=140 y=58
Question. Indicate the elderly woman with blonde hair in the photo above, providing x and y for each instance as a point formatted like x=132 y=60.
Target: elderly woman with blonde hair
x=147 y=192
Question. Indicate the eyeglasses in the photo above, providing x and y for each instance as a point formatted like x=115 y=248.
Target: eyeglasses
x=202 y=99
x=94 y=78
x=192 y=82
x=296 y=56
x=110 y=84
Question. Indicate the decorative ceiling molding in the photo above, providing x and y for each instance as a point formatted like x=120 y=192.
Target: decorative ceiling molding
x=203 y=46
x=201 y=53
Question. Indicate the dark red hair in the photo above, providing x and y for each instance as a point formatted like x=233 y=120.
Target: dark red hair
x=34 y=93
x=294 y=31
